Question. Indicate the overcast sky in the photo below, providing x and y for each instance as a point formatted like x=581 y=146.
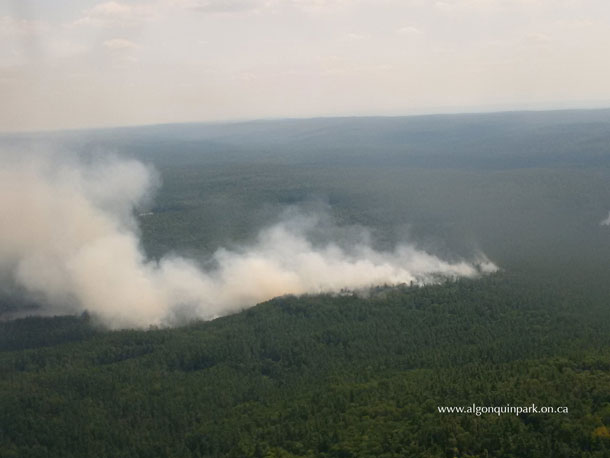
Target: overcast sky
x=79 y=63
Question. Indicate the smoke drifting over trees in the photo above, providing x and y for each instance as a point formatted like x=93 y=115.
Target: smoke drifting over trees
x=70 y=241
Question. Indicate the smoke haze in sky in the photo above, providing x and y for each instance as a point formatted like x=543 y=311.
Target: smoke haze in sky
x=168 y=61
x=70 y=241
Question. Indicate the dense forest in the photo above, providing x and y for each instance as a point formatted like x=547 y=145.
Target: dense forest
x=344 y=375
x=354 y=373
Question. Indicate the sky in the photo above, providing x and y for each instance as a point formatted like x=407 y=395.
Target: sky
x=86 y=63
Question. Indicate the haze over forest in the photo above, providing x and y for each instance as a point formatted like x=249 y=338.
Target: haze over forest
x=175 y=222
x=170 y=224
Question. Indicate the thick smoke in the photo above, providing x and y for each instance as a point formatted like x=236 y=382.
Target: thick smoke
x=69 y=239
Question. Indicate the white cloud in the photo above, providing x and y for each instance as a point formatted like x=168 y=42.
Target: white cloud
x=239 y=6
x=355 y=37
x=451 y=6
x=400 y=56
x=119 y=44
x=220 y=6
x=461 y=5
x=26 y=41
x=575 y=23
x=320 y=6
x=537 y=38
x=20 y=28
x=115 y=14
x=408 y=30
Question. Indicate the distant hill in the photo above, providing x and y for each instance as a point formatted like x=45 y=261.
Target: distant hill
x=495 y=140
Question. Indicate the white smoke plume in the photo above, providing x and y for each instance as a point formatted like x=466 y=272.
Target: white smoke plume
x=69 y=239
x=605 y=222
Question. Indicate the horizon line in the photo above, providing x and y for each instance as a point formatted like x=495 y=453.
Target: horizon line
x=230 y=121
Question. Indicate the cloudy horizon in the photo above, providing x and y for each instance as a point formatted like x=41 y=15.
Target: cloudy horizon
x=75 y=64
